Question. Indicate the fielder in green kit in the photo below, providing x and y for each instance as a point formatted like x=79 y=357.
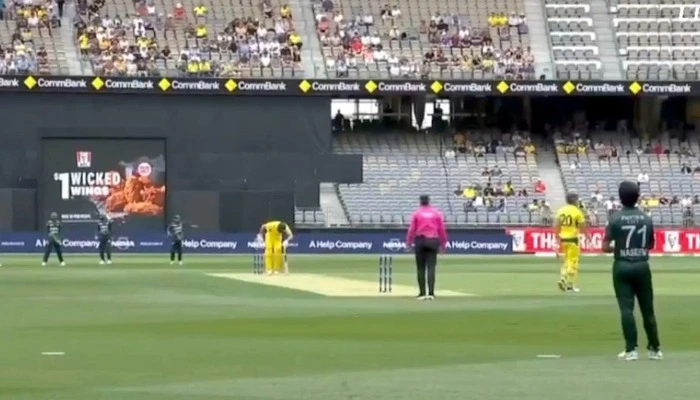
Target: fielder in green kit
x=630 y=236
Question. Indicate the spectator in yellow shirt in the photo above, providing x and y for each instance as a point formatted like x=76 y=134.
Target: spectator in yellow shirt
x=469 y=193
x=285 y=12
x=200 y=11
x=84 y=43
x=201 y=32
x=492 y=19
x=530 y=148
x=653 y=201
x=193 y=68
x=205 y=67
x=502 y=20
x=508 y=189
x=295 y=40
x=582 y=149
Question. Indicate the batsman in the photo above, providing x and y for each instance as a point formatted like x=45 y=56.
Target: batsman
x=630 y=237
x=276 y=236
x=53 y=228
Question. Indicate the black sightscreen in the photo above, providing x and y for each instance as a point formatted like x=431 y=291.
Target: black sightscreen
x=245 y=211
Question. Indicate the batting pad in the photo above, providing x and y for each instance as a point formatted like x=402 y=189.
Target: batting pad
x=331 y=286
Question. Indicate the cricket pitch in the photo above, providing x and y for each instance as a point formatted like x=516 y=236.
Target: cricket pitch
x=331 y=286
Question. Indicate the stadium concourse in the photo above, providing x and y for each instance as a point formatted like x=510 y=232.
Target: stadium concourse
x=441 y=39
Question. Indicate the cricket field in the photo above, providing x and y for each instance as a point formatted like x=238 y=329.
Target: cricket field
x=142 y=329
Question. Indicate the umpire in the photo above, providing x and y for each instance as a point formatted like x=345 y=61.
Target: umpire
x=427 y=236
x=630 y=237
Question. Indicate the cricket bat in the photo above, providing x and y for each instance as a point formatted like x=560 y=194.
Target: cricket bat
x=286 y=264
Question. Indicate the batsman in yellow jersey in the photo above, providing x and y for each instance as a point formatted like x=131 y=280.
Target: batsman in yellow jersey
x=276 y=235
x=569 y=224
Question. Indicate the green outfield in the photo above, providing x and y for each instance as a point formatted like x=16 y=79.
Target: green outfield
x=144 y=330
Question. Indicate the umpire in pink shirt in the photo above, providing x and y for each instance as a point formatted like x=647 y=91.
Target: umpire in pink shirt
x=427 y=236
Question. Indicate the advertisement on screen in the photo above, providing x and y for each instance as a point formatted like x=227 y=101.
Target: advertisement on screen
x=124 y=179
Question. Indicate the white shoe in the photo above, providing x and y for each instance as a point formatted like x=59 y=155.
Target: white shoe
x=43 y=264
x=656 y=355
x=172 y=262
x=63 y=264
x=422 y=298
x=102 y=262
x=180 y=262
x=628 y=355
x=269 y=272
x=276 y=272
x=430 y=297
x=575 y=289
x=109 y=261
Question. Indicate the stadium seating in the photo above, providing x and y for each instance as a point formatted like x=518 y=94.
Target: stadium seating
x=605 y=174
x=393 y=41
x=399 y=168
x=573 y=41
x=196 y=38
x=309 y=217
x=658 y=40
x=35 y=45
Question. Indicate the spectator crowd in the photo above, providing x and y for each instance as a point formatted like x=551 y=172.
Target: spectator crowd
x=31 y=19
x=139 y=44
x=446 y=40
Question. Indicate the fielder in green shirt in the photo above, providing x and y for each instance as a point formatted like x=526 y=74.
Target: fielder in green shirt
x=630 y=237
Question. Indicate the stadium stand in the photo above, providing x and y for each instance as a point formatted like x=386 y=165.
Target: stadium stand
x=573 y=40
x=468 y=39
x=665 y=163
x=228 y=38
x=309 y=217
x=658 y=40
x=397 y=168
x=30 y=40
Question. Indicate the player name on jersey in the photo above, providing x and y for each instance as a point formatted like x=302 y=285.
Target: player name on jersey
x=634 y=252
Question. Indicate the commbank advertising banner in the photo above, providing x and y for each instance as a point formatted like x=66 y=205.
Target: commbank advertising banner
x=667 y=241
x=242 y=243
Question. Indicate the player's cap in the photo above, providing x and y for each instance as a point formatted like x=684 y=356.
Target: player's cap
x=281 y=227
x=572 y=198
x=629 y=193
x=176 y=217
x=53 y=215
x=424 y=199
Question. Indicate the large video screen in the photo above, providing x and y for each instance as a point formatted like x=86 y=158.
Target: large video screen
x=122 y=178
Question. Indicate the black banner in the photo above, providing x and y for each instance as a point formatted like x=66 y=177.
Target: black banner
x=341 y=87
x=122 y=178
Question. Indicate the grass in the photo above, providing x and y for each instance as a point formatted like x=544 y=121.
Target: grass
x=142 y=329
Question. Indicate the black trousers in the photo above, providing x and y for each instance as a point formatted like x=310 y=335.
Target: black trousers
x=633 y=281
x=105 y=247
x=53 y=245
x=426 y=250
x=176 y=248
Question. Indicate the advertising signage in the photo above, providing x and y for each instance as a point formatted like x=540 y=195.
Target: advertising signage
x=339 y=87
x=246 y=243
